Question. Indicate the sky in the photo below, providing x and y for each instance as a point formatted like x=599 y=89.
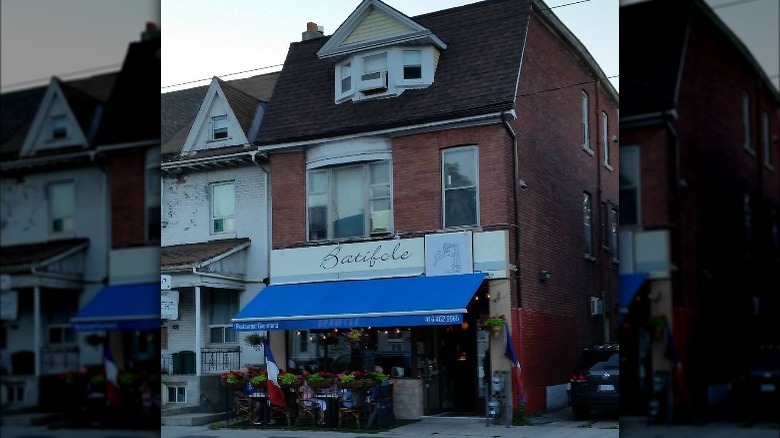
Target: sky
x=67 y=38
x=206 y=38
x=258 y=33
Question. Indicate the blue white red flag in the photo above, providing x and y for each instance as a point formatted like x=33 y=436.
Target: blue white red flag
x=112 y=373
x=275 y=393
x=509 y=352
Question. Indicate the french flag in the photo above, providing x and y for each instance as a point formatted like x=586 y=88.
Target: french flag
x=112 y=372
x=509 y=352
x=275 y=393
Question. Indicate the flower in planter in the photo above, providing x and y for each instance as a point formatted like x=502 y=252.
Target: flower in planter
x=317 y=377
x=231 y=378
x=259 y=380
x=346 y=377
x=495 y=321
x=286 y=378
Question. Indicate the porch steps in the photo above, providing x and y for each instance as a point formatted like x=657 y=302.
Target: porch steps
x=190 y=416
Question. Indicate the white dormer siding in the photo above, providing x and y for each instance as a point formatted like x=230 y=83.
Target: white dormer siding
x=353 y=79
x=376 y=24
x=216 y=125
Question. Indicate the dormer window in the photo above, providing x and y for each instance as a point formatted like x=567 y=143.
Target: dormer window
x=384 y=74
x=412 y=64
x=59 y=127
x=219 y=127
x=374 y=75
x=346 y=77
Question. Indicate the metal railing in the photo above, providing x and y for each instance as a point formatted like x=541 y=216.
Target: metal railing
x=58 y=359
x=220 y=359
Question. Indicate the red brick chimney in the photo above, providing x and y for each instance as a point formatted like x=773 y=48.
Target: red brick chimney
x=312 y=31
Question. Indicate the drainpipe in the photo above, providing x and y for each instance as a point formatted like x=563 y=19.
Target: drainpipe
x=268 y=207
x=506 y=116
x=600 y=158
x=198 y=330
x=37 y=328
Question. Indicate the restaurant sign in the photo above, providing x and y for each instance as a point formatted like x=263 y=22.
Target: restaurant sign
x=349 y=261
x=347 y=322
x=169 y=304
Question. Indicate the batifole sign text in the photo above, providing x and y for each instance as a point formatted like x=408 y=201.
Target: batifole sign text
x=371 y=257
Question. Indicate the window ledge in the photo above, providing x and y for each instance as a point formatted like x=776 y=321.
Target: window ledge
x=608 y=166
x=224 y=235
x=769 y=166
x=590 y=258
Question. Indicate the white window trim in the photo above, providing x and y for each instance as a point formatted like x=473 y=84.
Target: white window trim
x=394 y=75
x=212 y=128
x=223 y=327
x=746 y=140
x=585 y=127
x=212 y=186
x=605 y=139
x=368 y=231
x=766 y=140
x=175 y=388
x=476 y=187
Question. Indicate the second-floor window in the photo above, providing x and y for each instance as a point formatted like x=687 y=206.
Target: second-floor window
x=219 y=127
x=746 y=121
x=62 y=206
x=765 y=140
x=412 y=64
x=58 y=327
x=223 y=207
x=349 y=201
x=587 y=213
x=605 y=138
x=223 y=306
x=460 y=173
x=585 y=130
x=629 y=186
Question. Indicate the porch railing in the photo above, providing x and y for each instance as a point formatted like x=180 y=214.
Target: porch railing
x=58 y=359
x=220 y=359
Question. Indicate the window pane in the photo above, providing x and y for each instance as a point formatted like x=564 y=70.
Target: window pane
x=349 y=199
x=318 y=223
x=220 y=127
x=346 y=78
x=62 y=203
x=412 y=64
x=223 y=201
x=460 y=168
x=375 y=63
x=460 y=207
x=380 y=215
x=230 y=335
x=216 y=335
x=380 y=172
x=629 y=186
x=59 y=127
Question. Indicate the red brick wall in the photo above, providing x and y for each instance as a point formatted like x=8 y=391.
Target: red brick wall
x=288 y=198
x=128 y=210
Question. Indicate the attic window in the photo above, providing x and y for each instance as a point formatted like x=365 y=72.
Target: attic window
x=59 y=127
x=412 y=64
x=374 y=77
x=219 y=127
x=346 y=77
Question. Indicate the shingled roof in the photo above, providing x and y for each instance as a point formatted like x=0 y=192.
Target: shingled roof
x=179 y=109
x=476 y=74
x=191 y=255
x=23 y=257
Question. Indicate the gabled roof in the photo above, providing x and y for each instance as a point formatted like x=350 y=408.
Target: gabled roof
x=196 y=255
x=372 y=25
x=24 y=257
x=19 y=109
x=476 y=75
x=651 y=67
x=188 y=109
x=133 y=109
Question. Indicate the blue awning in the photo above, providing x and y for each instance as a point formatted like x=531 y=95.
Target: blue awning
x=387 y=302
x=124 y=307
x=629 y=285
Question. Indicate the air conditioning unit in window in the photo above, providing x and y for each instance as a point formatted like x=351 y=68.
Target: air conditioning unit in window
x=596 y=306
x=375 y=81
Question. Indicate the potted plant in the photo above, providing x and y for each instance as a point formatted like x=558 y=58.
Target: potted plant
x=322 y=379
x=254 y=339
x=354 y=336
x=289 y=380
x=495 y=324
x=258 y=381
x=347 y=380
x=233 y=380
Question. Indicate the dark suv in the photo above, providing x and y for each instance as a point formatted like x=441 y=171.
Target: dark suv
x=595 y=382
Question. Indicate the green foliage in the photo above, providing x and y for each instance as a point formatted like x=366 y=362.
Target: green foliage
x=520 y=416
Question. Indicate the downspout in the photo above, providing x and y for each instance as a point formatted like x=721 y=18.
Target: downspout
x=599 y=196
x=268 y=209
x=506 y=116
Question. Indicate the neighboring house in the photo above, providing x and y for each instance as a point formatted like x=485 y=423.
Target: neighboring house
x=70 y=190
x=215 y=232
x=699 y=199
x=428 y=172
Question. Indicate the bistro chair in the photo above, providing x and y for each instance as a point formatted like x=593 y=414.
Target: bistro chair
x=242 y=405
x=307 y=408
x=351 y=407
x=280 y=412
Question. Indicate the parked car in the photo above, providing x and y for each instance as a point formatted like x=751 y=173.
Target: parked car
x=756 y=390
x=595 y=382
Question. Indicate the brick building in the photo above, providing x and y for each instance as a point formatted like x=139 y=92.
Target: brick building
x=426 y=173
x=699 y=197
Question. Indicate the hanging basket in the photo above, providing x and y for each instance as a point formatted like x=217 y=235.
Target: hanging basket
x=495 y=330
x=324 y=384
